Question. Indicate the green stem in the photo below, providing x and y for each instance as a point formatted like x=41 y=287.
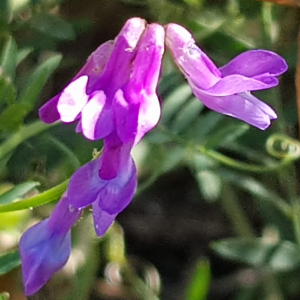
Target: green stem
x=24 y=133
x=50 y=195
x=225 y=160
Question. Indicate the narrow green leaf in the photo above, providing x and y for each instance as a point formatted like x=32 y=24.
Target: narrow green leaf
x=259 y=252
x=38 y=79
x=7 y=89
x=22 y=54
x=18 y=192
x=53 y=26
x=12 y=117
x=199 y=285
x=210 y=184
x=9 y=261
x=8 y=57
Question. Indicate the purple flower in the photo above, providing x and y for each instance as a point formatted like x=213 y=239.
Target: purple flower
x=116 y=89
x=89 y=96
x=108 y=183
x=46 y=247
x=226 y=89
x=136 y=106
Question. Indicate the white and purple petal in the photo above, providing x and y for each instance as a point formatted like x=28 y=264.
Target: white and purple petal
x=72 y=99
x=97 y=120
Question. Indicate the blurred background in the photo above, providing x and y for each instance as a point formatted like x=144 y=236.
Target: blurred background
x=216 y=212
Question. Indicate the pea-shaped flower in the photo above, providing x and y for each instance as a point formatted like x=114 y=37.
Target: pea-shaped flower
x=88 y=97
x=227 y=89
x=108 y=183
x=46 y=246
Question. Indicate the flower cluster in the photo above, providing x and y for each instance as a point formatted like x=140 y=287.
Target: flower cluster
x=113 y=97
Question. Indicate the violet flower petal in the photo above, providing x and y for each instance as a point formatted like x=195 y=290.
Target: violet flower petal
x=84 y=185
x=42 y=253
x=243 y=106
x=93 y=68
x=97 y=60
x=118 y=68
x=227 y=91
x=234 y=84
x=136 y=106
x=255 y=63
x=102 y=220
x=113 y=194
x=191 y=60
x=113 y=151
x=97 y=117
x=118 y=193
x=46 y=247
x=48 y=112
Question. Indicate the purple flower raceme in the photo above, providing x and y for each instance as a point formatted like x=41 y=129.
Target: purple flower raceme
x=113 y=97
x=226 y=89
x=117 y=89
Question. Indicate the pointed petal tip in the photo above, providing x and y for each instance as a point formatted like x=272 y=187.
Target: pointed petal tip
x=48 y=113
x=102 y=220
x=177 y=37
x=43 y=253
x=132 y=31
